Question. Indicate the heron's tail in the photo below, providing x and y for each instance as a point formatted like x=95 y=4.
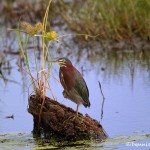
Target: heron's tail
x=87 y=104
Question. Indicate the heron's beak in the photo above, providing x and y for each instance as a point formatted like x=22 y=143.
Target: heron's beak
x=54 y=62
x=61 y=63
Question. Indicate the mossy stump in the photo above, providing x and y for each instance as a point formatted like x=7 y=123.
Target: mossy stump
x=60 y=122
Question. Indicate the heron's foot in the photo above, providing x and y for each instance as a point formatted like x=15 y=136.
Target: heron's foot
x=74 y=117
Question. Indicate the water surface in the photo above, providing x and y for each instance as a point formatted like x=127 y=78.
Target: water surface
x=124 y=77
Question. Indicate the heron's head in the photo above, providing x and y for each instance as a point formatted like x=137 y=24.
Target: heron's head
x=63 y=62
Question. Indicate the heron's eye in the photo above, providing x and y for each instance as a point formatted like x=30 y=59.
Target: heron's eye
x=62 y=60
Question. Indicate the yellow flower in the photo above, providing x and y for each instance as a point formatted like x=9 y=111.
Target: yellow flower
x=38 y=26
x=24 y=25
x=52 y=35
x=31 y=30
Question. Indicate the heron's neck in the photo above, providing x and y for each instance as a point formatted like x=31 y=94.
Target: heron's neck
x=67 y=67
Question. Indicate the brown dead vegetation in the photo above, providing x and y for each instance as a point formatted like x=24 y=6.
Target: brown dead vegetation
x=60 y=122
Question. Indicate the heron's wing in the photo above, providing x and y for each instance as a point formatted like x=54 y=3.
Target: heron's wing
x=81 y=87
x=72 y=79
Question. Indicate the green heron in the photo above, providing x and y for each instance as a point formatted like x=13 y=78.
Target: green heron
x=74 y=85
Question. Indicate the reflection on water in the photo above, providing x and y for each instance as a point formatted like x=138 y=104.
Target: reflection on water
x=124 y=77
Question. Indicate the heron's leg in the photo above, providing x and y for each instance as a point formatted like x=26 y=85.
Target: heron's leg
x=76 y=116
x=77 y=110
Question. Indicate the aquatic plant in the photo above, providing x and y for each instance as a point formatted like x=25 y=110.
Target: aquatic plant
x=26 y=33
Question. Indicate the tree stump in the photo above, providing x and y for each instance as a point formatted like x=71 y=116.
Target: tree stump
x=59 y=121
